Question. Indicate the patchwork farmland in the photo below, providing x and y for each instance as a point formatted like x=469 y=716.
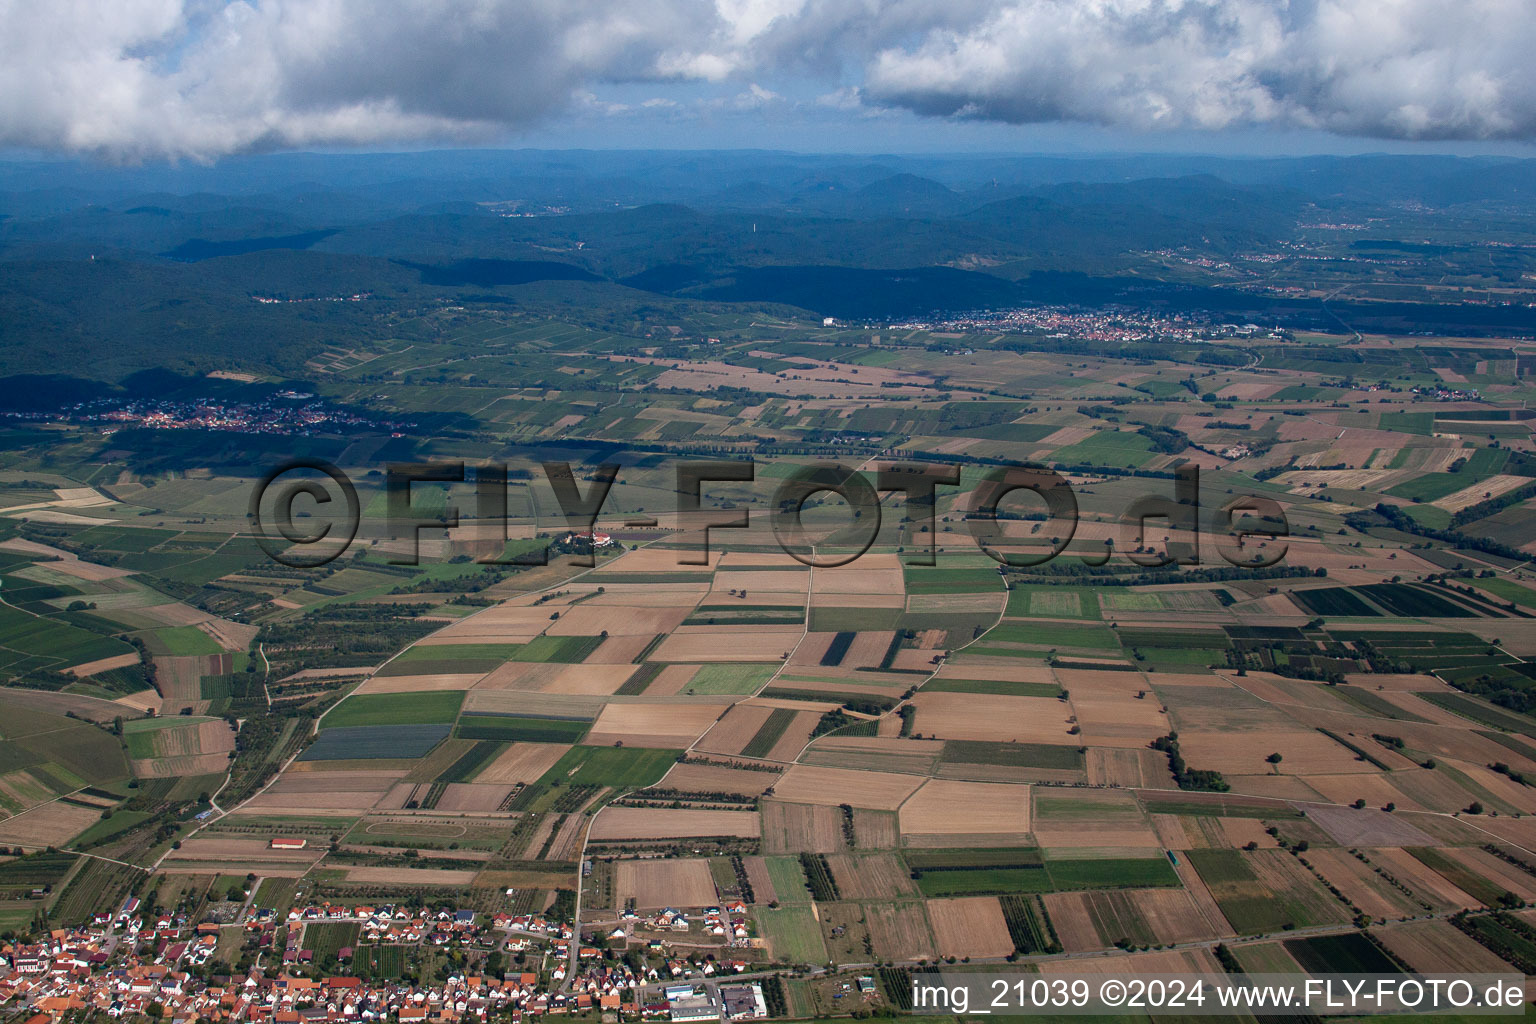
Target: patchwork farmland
x=691 y=758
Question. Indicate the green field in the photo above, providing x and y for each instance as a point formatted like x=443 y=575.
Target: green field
x=1053 y=634
x=426 y=708
x=1509 y=590
x=620 y=767
x=995 y=686
x=48 y=642
x=1107 y=448
x=1052 y=602
x=932 y=579
x=793 y=933
x=788 y=879
x=327 y=937
x=179 y=641
x=730 y=679
x=35 y=739
x=1112 y=873
x=985 y=881
x=474 y=759
x=564 y=649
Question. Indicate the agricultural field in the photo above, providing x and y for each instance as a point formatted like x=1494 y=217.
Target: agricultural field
x=1327 y=761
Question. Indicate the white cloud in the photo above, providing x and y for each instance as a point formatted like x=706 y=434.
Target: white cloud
x=1388 y=68
x=136 y=79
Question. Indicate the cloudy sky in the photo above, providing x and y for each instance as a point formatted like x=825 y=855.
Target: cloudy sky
x=133 y=80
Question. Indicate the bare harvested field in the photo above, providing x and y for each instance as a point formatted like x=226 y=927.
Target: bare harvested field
x=763 y=892
x=323 y=793
x=1365 y=827
x=795 y=828
x=417 y=684
x=522 y=763
x=1430 y=946
x=758 y=559
x=833 y=786
x=706 y=778
x=141 y=702
x=672 y=680
x=715 y=644
x=971 y=926
x=1376 y=790
x=1117 y=719
x=1493 y=487
x=876 y=753
x=1014 y=672
x=245 y=850
x=1501 y=787
x=1171 y=914
x=661 y=559
x=663 y=823
x=653 y=884
x=1482 y=863
x=469 y=796
x=104 y=664
x=1397 y=682
x=1521 y=831
x=1423 y=882
x=821 y=600
x=504 y=623
x=920 y=659
x=1173 y=832
x=620 y=650
x=762 y=582
x=179 y=679
x=810 y=650
x=945 y=807
x=855 y=579
x=736 y=729
x=1275 y=689
x=874 y=830
x=437 y=877
x=654 y=725
x=1188 y=961
x=591 y=619
x=868 y=648
x=590 y=678
x=796 y=735
x=1073 y=923
x=959 y=716
x=1141 y=769
x=1429 y=789
x=899 y=930
x=871 y=876
x=1366 y=889
x=52 y=824
x=1239 y=752
x=1200 y=897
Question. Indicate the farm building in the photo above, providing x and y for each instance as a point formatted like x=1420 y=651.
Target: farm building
x=284 y=843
